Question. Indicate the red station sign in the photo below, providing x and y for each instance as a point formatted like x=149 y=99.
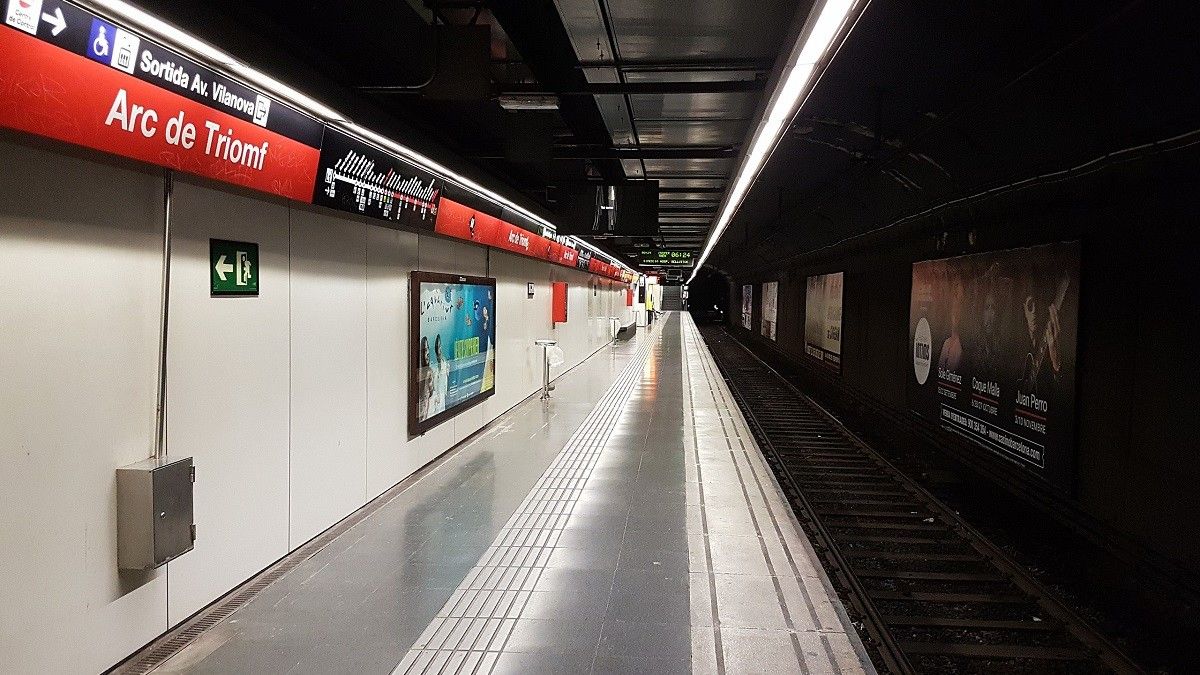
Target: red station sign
x=463 y=222
x=50 y=91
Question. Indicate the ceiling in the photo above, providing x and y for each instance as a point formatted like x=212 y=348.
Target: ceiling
x=931 y=104
x=695 y=77
x=639 y=89
x=925 y=101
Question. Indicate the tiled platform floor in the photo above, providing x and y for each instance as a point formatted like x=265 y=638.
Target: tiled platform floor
x=628 y=525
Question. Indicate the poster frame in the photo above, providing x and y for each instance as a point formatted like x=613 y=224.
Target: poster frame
x=746 y=317
x=1058 y=465
x=817 y=353
x=774 y=307
x=417 y=427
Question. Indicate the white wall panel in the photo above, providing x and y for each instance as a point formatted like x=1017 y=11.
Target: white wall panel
x=391 y=456
x=228 y=392
x=293 y=403
x=515 y=367
x=80 y=264
x=329 y=363
x=435 y=254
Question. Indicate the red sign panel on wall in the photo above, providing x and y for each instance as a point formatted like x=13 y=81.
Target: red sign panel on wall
x=463 y=222
x=559 y=302
x=94 y=84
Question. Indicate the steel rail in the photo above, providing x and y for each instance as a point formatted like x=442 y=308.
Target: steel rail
x=826 y=496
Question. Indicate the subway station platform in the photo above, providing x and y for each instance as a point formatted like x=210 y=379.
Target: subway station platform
x=629 y=524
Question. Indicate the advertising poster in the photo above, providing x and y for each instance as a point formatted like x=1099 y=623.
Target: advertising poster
x=747 y=305
x=992 y=338
x=452 y=339
x=770 y=295
x=823 y=319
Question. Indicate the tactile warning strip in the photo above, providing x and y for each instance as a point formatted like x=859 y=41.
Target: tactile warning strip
x=733 y=479
x=470 y=631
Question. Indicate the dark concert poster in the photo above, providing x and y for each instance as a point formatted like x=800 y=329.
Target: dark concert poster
x=992 y=344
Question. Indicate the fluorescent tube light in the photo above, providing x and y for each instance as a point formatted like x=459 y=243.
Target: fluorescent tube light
x=799 y=74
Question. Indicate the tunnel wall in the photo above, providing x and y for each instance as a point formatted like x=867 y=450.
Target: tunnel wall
x=293 y=403
x=1135 y=466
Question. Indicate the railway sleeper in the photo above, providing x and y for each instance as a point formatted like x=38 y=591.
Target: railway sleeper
x=868 y=525
x=844 y=501
x=977 y=624
x=807 y=476
x=996 y=651
x=884 y=565
x=923 y=556
x=873 y=493
x=909 y=587
x=851 y=513
x=951 y=598
x=987 y=636
x=967 y=611
x=917 y=575
x=891 y=539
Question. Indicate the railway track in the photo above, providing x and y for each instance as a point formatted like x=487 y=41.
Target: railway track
x=932 y=594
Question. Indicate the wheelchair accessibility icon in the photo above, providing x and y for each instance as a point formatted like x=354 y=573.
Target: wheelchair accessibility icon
x=100 y=44
x=112 y=46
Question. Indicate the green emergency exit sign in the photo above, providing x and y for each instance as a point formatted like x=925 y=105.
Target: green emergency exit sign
x=233 y=267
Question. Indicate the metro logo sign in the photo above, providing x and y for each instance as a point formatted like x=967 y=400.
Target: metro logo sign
x=52 y=92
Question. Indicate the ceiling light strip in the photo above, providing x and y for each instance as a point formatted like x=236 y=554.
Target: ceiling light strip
x=811 y=54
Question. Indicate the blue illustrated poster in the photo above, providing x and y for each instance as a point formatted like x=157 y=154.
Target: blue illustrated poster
x=454 y=352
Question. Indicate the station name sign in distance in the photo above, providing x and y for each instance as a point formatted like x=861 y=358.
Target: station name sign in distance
x=665 y=258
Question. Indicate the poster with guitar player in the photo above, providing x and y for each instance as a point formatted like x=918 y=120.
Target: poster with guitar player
x=992 y=340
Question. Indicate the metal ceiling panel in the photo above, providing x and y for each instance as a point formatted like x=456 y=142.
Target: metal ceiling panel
x=658 y=167
x=633 y=168
x=692 y=75
x=685 y=220
x=691 y=132
x=585 y=26
x=659 y=41
x=667 y=29
x=694 y=106
x=691 y=183
x=616 y=117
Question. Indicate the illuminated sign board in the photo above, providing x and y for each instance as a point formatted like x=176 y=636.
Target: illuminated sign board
x=665 y=258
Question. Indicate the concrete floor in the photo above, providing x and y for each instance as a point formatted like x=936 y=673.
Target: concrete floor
x=629 y=524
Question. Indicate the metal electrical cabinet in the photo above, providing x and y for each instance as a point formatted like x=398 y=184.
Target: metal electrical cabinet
x=154 y=512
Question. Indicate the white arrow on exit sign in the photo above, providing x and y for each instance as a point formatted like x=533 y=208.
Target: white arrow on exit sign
x=222 y=268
